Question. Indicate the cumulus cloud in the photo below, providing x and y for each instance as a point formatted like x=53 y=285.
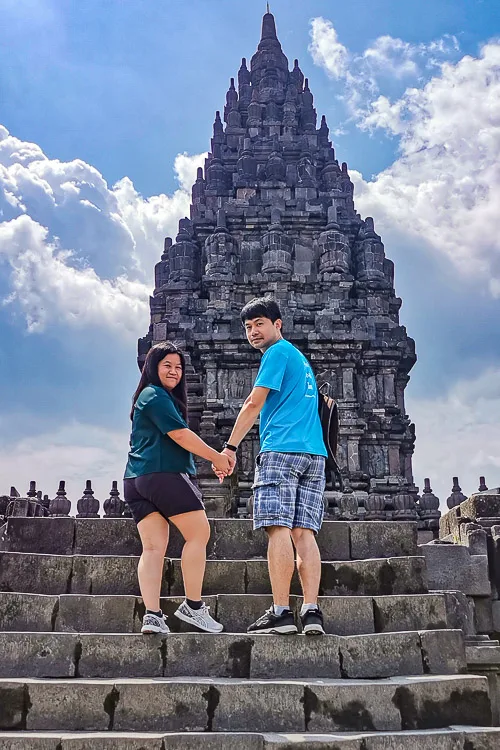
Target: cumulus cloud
x=458 y=433
x=326 y=50
x=79 y=251
x=444 y=187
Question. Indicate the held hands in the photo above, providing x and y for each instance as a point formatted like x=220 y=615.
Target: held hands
x=224 y=465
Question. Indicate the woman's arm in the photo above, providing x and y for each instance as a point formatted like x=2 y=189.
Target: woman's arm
x=191 y=442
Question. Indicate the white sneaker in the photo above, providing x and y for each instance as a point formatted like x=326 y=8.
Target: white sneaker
x=154 y=624
x=200 y=618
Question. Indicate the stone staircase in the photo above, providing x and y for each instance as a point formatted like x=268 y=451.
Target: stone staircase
x=75 y=673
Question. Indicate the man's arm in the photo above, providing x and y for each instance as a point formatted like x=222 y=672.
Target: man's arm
x=248 y=414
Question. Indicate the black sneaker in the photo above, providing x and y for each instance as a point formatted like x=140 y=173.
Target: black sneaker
x=273 y=623
x=312 y=622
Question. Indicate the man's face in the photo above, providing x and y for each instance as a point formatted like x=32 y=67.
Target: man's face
x=262 y=332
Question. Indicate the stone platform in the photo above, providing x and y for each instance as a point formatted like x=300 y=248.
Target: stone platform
x=76 y=673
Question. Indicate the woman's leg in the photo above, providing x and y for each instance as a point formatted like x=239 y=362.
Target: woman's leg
x=195 y=529
x=153 y=530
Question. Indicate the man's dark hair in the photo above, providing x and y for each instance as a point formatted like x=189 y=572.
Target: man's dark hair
x=261 y=307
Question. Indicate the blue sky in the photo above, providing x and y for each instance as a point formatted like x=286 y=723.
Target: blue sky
x=101 y=98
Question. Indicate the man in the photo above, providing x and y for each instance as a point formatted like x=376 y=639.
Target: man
x=290 y=471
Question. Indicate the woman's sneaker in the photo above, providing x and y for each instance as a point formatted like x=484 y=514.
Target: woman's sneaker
x=200 y=618
x=312 y=622
x=154 y=624
x=273 y=623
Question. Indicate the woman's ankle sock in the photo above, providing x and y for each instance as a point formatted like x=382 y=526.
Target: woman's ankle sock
x=152 y=612
x=194 y=605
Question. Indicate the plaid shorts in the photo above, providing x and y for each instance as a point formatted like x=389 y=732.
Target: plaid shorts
x=288 y=490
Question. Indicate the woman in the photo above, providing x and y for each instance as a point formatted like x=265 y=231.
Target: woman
x=158 y=487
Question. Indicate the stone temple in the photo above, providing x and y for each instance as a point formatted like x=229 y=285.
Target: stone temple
x=273 y=213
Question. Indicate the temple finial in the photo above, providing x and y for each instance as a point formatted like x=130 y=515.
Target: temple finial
x=268 y=9
x=268 y=26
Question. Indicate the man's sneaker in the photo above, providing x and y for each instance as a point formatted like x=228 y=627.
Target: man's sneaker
x=273 y=623
x=154 y=624
x=312 y=622
x=200 y=618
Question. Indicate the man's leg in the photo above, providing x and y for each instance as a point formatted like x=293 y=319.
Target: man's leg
x=281 y=563
x=308 y=563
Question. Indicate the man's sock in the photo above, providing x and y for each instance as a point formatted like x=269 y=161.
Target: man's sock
x=305 y=607
x=152 y=612
x=194 y=605
x=278 y=609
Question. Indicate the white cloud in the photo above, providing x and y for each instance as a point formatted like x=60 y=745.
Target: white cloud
x=326 y=50
x=76 y=452
x=458 y=433
x=80 y=252
x=445 y=186
x=393 y=56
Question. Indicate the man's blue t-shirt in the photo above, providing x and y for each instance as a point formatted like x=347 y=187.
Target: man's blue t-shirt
x=289 y=420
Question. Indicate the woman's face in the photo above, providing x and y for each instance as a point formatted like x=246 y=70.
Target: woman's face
x=170 y=371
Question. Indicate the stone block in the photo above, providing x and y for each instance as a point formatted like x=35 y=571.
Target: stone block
x=50 y=536
x=116 y=655
x=409 y=612
x=87 y=706
x=483 y=615
x=37 y=574
x=202 y=655
x=312 y=742
x=484 y=739
x=106 y=575
x=373 y=577
x=274 y=657
x=431 y=739
x=221 y=576
x=443 y=651
x=381 y=655
x=258 y=706
x=333 y=541
x=495 y=616
x=459 y=612
x=103 y=741
x=27 y=612
x=22 y=741
x=450 y=566
x=257 y=579
x=344 y=706
x=37 y=654
x=236 y=540
x=13 y=705
x=442 y=701
x=165 y=706
x=345 y=615
x=238 y=611
x=382 y=539
x=82 y=613
x=484 y=504
x=214 y=741
x=106 y=536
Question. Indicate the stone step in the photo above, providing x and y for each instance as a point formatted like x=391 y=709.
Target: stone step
x=83 y=574
x=201 y=704
x=344 y=615
x=452 y=738
x=89 y=655
x=230 y=538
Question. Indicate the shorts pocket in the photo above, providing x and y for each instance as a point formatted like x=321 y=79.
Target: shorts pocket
x=266 y=500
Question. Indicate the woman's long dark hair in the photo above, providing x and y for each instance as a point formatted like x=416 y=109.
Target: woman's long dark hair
x=150 y=376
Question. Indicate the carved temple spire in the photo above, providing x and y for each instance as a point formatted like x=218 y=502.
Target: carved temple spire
x=268 y=26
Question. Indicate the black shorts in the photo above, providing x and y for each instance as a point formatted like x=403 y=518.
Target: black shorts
x=164 y=492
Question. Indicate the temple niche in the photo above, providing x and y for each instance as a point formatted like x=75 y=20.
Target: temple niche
x=273 y=213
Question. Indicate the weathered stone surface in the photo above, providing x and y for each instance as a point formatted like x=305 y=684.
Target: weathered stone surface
x=27 y=612
x=351 y=706
x=214 y=741
x=333 y=540
x=431 y=739
x=483 y=614
x=483 y=504
x=409 y=612
x=37 y=654
x=82 y=613
x=459 y=612
x=312 y=742
x=346 y=615
x=381 y=539
x=381 y=655
x=107 y=575
x=121 y=655
x=37 y=574
x=14 y=701
x=274 y=657
x=87 y=706
x=237 y=612
x=164 y=706
x=236 y=540
x=106 y=536
x=259 y=706
x=51 y=536
x=452 y=567
x=496 y=616
x=443 y=651
x=221 y=577
x=403 y=575
x=23 y=741
x=103 y=741
x=169 y=606
x=257 y=579
x=199 y=654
